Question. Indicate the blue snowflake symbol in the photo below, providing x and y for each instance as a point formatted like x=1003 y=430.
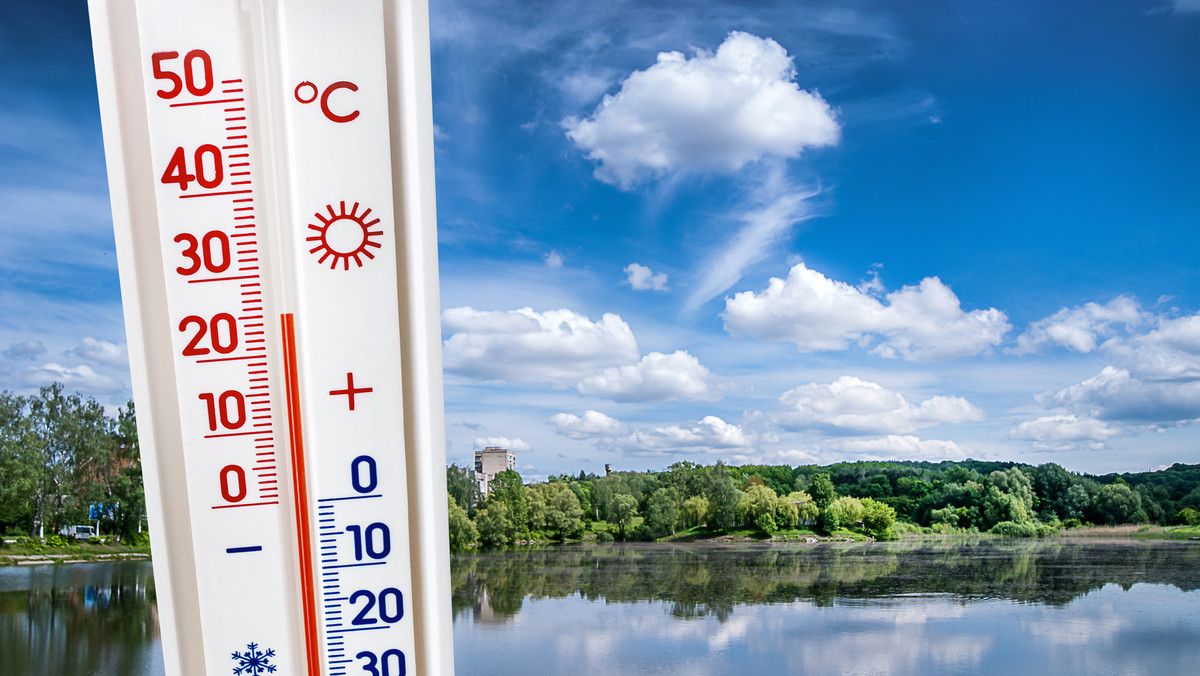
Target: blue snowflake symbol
x=254 y=661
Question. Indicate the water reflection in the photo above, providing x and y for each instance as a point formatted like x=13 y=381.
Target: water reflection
x=978 y=607
x=93 y=619
x=491 y=586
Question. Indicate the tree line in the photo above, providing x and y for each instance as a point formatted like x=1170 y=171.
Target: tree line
x=867 y=497
x=65 y=461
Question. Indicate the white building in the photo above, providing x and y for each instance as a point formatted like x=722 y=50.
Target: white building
x=491 y=461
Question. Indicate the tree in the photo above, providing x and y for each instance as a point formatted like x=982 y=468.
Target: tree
x=807 y=511
x=624 y=511
x=462 y=530
x=566 y=514
x=67 y=434
x=722 y=495
x=756 y=502
x=463 y=488
x=1074 y=503
x=507 y=487
x=495 y=526
x=695 y=509
x=1118 y=503
x=662 y=512
x=18 y=464
x=877 y=517
x=822 y=490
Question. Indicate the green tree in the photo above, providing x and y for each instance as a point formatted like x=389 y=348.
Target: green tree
x=822 y=490
x=462 y=487
x=662 y=512
x=18 y=463
x=507 y=487
x=877 y=517
x=754 y=503
x=1118 y=503
x=127 y=495
x=723 y=496
x=462 y=531
x=695 y=509
x=623 y=512
x=566 y=514
x=807 y=511
x=68 y=432
x=495 y=526
x=1074 y=503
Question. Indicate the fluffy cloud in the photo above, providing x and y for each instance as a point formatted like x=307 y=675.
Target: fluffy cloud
x=1116 y=394
x=27 y=350
x=1157 y=381
x=708 y=112
x=502 y=442
x=559 y=347
x=900 y=447
x=554 y=260
x=1064 y=432
x=102 y=351
x=590 y=425
x=1079 y=328
x=81 y=377
x=642 y=278
x=710 y=435
x=923 y=322
x=853 y=406
x=657 y=377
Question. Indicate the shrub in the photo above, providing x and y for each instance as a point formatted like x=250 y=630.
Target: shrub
x=95 y=541
x=57 y=541
x=1010 y=529
x=604 y=536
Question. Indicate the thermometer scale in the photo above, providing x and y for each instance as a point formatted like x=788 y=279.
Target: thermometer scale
x=271 y=173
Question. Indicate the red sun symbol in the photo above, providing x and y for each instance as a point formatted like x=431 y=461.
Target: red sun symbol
x=343 y=236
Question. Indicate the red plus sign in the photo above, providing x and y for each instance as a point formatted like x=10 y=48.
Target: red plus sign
x=350 y=390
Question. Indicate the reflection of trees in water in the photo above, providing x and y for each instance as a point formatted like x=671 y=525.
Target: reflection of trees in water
x=80 y=620
x=702 y=581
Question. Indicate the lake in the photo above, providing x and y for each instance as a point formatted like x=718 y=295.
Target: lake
x=970 y=607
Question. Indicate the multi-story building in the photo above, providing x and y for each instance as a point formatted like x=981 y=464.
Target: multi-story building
x=491 y=461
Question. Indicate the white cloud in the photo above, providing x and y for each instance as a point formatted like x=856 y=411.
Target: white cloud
x=1079 y=328
x=102 y=351
x=81 y=377
x=554 y=260
x=900 y=447
x=923 y=322
x=1064 y=432
x=657 y=377
x=788 y=457
x=1170 y=352
x=1116 y=394
x=559 y=347
x=709 y=112
x=1186 y=6
x=591 y=425
x=642 y=278
x=709 y=435
x=27 y=350
x=854 y=406
x=502 y=442
x=766 y=219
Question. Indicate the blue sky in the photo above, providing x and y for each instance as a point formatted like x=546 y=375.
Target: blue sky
x=783 y=232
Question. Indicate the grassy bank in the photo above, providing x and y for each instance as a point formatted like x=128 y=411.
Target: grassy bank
x=33 y=552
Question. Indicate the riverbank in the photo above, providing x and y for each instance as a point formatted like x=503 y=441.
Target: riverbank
x=27 y=552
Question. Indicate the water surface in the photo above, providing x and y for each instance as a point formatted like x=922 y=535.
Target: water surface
x=976 y=607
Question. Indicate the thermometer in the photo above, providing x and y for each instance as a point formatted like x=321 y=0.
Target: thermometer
x=270 y=165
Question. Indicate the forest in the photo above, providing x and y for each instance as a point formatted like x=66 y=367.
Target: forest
x=877 y=499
